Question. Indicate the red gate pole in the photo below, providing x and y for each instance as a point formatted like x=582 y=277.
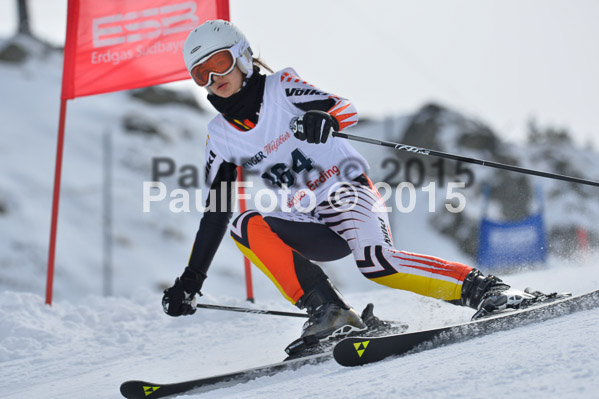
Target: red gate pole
x=55 y=200
x=249 y=288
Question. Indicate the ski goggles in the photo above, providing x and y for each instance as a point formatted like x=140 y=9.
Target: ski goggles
x=218 y=63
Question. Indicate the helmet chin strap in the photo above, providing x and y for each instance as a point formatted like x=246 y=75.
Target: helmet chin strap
x=246 y=79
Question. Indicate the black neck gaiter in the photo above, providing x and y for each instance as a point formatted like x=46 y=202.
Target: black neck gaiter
x=245 y=104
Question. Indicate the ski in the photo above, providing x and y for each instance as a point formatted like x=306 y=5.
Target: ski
x=357 y=351
x=151 y=390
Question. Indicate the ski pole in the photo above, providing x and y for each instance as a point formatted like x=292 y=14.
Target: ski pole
x=424 y=151
x=249 y=310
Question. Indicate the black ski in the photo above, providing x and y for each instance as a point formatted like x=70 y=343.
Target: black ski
x=151 y=390
x=357 y=351
x=307 y=353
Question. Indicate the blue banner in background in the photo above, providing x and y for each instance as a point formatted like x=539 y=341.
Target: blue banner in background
x=505 y=244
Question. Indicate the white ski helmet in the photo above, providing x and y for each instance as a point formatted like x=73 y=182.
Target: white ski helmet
x=217 y=35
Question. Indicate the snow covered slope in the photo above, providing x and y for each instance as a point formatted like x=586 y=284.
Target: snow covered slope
x=87 y=349
x=85 y=345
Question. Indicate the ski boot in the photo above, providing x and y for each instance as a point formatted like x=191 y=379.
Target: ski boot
x=330 y=314
x=331 y=317
x=490 y=295
x=377 y=327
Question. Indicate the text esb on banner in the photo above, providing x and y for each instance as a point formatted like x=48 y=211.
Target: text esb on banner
x=138 y=26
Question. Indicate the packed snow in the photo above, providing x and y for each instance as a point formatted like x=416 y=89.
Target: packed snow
x=85 y=345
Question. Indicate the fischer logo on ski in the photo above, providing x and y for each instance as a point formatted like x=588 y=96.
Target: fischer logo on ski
x=361 y=347
x=150 y=390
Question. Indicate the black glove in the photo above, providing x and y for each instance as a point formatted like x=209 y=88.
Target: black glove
x=314 y=126
x=180 y=299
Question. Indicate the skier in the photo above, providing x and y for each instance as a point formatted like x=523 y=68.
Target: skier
x=279 y=126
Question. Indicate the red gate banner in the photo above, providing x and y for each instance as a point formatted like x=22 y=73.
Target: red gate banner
x=114 y=45
x=125 y=44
